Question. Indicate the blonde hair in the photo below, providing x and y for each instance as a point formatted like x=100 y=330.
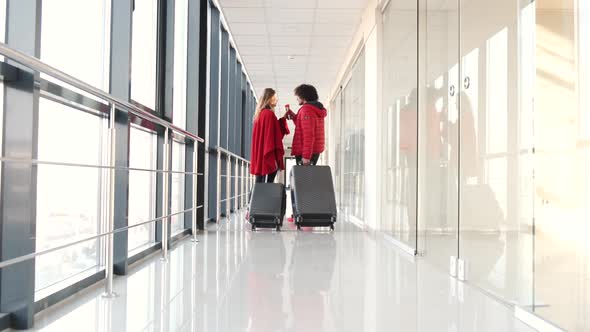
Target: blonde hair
x=264 y=102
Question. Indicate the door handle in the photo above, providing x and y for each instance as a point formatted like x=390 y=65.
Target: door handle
x=466 y=82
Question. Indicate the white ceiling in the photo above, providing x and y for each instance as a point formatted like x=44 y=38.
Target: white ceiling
x=316 y=33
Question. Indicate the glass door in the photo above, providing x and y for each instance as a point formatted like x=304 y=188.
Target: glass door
x=495 y=148
x=438 y=125
x=400 y=125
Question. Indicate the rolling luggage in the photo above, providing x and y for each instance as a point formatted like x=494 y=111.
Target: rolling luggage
x=313 y=198
x=267 y=206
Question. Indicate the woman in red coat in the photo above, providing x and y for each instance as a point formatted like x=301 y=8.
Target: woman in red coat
x=267 y=139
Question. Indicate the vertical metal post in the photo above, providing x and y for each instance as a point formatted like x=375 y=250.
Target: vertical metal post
x=195 y=189
x=110 y=252
x=243 y=185
x=166 y=194
x=218 y=198
x=228 y=189
x=236 y=186
x=249 y=187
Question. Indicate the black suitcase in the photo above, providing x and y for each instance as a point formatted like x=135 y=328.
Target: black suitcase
x=267 y=206
x=312 y=196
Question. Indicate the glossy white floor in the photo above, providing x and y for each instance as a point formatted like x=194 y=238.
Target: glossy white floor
x=236 y=280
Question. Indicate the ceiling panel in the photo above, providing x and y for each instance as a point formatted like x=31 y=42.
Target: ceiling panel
x=291 y=3
x=331 y=41
x=284 y=43
x=348 y=16
x=286 y=61
x=254 y=67
x=294 y=41
x=289 y=50
x=328 y=51
x=254 y=50
x=253 y=40
x=290 y=29
x=251 y=59
x=243 y=15
x=285 y=15
x=248 y=29
x=358 y=4
x=242 y=3
x=335 y=29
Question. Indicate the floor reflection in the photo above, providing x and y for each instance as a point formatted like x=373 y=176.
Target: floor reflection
x=236 y=280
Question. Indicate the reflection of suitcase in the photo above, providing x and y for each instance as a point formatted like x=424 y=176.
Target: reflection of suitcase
x=267 y=206
x=480 y=209
x=312 y=195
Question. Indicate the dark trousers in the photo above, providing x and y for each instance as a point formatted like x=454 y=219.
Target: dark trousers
x=270 y=178
x=313 y=161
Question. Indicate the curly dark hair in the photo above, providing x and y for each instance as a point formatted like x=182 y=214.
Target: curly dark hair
x=307 y=92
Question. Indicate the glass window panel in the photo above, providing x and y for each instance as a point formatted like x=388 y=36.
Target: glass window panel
x=180 y=62
x=142 y=186
x=144 y=53
x=68 y=198
x=77 y=43
x=2 y=39
x=177 y=188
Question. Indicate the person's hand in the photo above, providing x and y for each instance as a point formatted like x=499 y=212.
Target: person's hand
x=306 y=161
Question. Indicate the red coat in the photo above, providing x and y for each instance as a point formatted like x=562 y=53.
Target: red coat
x=267 y=143
x=309 y=136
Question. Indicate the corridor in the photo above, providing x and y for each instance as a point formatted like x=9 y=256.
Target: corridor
x=236 y=280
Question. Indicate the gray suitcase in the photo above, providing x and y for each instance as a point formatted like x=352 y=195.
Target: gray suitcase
x=267 y=206
x=312 y=196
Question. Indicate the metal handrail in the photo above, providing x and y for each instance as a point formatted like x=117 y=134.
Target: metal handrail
x=23 y=258
x=231 y=154
x=242 y=180
x=118 y=168
x=37 y=65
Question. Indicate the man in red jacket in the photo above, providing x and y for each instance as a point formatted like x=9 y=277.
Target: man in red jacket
x=309 y=139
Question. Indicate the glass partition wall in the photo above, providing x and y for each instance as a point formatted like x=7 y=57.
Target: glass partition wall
x=485 y=139
x=562 y=161
x=495 y=149
x=352 y=143
x=346 y=125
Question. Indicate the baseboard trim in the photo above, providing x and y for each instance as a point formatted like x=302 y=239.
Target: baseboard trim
x=535 y=321
x=404 y=247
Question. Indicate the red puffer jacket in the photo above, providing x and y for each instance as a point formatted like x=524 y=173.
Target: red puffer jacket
x=309 y=136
